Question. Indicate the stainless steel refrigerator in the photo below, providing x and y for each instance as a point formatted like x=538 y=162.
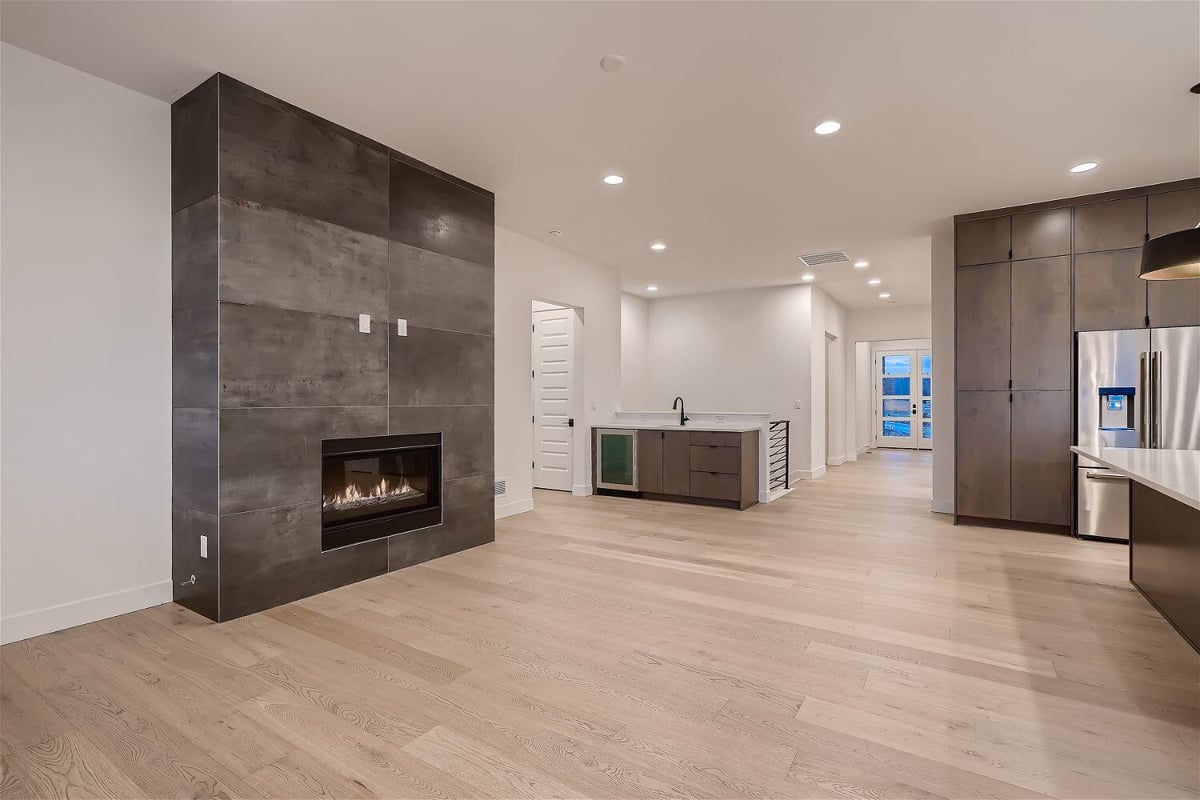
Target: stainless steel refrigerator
x=1137 y=388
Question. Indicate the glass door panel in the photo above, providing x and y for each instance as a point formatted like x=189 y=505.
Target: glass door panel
x=926 y=440
x=895 y=407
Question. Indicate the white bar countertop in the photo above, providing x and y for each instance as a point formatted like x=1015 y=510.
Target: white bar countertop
x=649 y=426
x=1175 y=473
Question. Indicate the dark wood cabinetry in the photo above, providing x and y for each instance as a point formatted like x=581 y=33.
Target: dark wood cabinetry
x=1164 y=557
x=1041 y=457
x=1110 y=225
x=1026 y=279
x=982 y=459
x=983 y=320
x=702 y=466
x=1041 y=234
x=1041 y=323
x=982 y=241
x=1109 y=295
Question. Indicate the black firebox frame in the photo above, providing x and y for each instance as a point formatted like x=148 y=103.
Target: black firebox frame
x=356 y=532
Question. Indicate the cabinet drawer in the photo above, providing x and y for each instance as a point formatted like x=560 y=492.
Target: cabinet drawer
x=715 y=486
x=717 y=438
x=713 y=458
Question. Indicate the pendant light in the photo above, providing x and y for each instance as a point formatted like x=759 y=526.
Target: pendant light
x=1173 y=256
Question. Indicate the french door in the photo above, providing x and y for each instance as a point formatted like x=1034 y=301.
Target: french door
x=904 y=399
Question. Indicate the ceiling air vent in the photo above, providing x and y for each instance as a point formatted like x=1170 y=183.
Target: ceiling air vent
x=500 y=487
x=817 y=259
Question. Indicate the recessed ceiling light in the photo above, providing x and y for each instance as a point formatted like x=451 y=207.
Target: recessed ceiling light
x=612 y=63
x=658 y=246
x=652 y=288
x=556 y=233
x=1086 y=166
x=808 y=276
x=884 y=295
x=861 y=264
x=828 y=127
x=613 y=180
x=874 y=282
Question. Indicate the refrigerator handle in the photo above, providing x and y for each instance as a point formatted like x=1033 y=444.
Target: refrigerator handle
x=1144 y=406
x=1155 y=400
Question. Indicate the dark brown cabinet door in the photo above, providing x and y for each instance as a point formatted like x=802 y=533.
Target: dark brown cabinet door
x=982 y=311
x=1110 y=225
x=1109 y=295
x=1172 y=211
x=1173 y=303
x=1041 y=234
x=650 y=461
x=1041 y=323
x=1041 y=457
x=981 y=241
x=677 y=463
x=982 y=455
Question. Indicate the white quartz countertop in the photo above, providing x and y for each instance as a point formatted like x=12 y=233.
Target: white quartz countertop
x=691 y=426
x=1175 y=473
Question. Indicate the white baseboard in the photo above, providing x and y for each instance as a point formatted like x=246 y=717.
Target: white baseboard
x=516 y=505
x=808 y=474
x=835 y=461
x=80 y=612
x=767 y=497
x=582 y=490
x=863 y=448
x=942 y=506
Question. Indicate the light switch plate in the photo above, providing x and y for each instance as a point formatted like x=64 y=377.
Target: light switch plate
x=797 y=404
x=203 y=546
x=364 y=323
x=593 y=406
x=402 y=327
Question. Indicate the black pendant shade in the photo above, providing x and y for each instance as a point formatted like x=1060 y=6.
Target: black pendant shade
x=1171 y=257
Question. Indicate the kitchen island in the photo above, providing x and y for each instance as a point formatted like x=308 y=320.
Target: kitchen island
x=1164 y=529
x=712 y=459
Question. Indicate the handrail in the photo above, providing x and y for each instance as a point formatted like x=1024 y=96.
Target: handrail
x=778 y=439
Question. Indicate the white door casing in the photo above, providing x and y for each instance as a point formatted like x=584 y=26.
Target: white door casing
x=554 y=398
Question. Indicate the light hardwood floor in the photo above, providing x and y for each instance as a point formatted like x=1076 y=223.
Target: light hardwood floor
x=841 y=642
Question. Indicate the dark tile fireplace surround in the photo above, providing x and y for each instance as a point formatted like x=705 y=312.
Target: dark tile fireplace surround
x=307 y=454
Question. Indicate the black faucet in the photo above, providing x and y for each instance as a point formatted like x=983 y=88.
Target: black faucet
x=682 y=417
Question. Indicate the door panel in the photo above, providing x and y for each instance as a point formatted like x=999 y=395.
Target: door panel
x=1041 y=457
x=1173 y=303
x=983 y=456
x=714 y=486
x=650 y=461
x=1041 y=234
x=1172 y=211
x=1041 y=323
x=1177 y=405
x=897 y=388
x=553 y=398
x=1109 y=295
x=1110 y=225
x=981 y=241
x=677 y=463
x=983 y=321
x=925 y=358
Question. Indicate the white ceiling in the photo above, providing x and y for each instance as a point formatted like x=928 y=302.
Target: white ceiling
x=946 y=108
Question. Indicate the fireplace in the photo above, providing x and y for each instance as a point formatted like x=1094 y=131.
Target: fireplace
x=379 y=486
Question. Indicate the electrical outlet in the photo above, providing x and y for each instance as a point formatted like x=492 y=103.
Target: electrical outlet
x=719 y=418
x=203 y=546
x=402 y=327
x=797 y=404
x=644 y=418
x=593 y=406
x=364 y=323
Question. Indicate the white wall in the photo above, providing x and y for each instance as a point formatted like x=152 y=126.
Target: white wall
x=85 y=338
x=635 y=364
x=942 y=275
x=754 y=350
x=528 y=270
x=828 y=382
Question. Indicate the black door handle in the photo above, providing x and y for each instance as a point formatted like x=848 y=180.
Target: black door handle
x=570 y=422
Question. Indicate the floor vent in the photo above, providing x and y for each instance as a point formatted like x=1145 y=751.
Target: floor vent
x=817 y=259
x=500 y=487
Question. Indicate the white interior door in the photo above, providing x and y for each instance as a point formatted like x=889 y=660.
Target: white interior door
x=897 y=395
x=925 y=407
x=553 y=398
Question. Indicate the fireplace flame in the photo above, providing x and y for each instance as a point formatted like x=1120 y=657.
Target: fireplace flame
x=353 y=496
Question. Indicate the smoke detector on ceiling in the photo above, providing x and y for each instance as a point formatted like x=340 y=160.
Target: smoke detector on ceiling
x=818 y=259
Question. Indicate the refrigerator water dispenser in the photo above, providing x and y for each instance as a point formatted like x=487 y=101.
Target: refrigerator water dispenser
x=1116 y=408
